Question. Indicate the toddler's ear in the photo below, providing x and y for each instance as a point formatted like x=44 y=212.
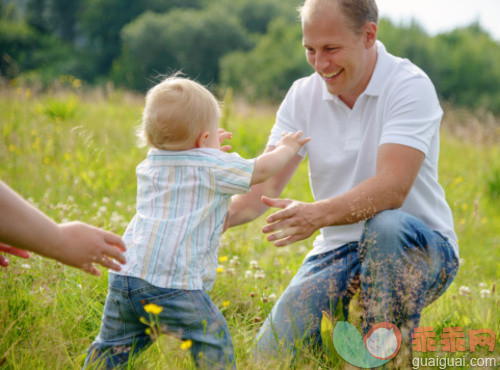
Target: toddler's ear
x=202 y=138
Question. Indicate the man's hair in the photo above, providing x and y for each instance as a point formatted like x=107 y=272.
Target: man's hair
x=358 y=12
x=177 y=110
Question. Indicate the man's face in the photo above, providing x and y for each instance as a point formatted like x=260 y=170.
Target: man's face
x=338 y=54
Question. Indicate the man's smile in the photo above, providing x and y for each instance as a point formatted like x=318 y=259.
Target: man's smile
x=332 y=75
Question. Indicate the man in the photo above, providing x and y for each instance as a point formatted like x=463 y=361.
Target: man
x=384 y=222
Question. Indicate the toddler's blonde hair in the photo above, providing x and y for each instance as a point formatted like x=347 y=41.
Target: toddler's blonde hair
x=177 y=110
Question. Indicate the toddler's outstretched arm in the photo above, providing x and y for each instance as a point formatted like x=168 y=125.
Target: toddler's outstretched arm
x=270 y=163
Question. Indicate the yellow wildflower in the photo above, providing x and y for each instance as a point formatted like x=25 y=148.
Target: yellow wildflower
x=153 y=308
x=223 y=258
x=225 y=303
x=219 y=269
x=187 y=344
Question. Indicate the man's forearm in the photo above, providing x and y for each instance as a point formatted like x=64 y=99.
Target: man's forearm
x=397 y=169
x=361 y=203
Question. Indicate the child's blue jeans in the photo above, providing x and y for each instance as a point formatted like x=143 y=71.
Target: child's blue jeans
x=186 y=314
x=400 y=264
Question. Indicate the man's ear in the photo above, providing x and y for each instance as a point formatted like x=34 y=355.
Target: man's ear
x=202 y=138
x=370 y=34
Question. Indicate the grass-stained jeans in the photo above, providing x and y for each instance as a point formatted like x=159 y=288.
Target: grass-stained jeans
x=400 y=264
x=187 y=314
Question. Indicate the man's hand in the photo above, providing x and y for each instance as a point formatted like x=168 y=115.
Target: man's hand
x=11 y=250
x=296 y=221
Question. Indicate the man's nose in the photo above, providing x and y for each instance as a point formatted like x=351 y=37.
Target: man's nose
x=321 y=61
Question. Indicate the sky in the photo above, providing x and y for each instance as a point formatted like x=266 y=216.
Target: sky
x=437 y=16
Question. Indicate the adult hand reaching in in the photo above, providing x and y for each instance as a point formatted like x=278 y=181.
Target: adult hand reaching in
x=24 y=228
x=83 y=245
x=296 y=221
x=11 y=250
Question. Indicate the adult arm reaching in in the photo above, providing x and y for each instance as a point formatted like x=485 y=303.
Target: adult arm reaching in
x=24 y=228
x=397 y=169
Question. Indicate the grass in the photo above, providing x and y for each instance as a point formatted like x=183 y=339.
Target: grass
x=73 y=155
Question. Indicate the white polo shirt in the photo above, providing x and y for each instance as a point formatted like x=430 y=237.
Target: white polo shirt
x=399 y=106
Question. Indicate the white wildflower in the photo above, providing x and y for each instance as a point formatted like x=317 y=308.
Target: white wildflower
x=485 y=293
x=272 y=297
x=105 y=200
x=482 y=285
x=302 y=249
x=254 y=264
x=248 y=274
x=26 y=266
x=464 y=290
x=260 y=274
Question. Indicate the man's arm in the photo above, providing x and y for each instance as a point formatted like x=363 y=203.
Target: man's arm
x=247 y=207
x=397 y=169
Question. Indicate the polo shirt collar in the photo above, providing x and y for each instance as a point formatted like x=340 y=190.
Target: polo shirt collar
x=376 y=82
x=380 y=72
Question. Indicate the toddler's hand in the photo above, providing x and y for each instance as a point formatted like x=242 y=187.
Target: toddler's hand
x=223 y=135
x=293 y=140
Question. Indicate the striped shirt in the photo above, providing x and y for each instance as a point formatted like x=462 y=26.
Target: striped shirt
x=182 y=201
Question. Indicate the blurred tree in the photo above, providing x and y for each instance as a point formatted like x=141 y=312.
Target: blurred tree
x=36 y=14
x=267 y=71
x=63 y=16
x=17 y=41
x=410 y=42
x=189 y=40
x=468 y=68
x=103 y=20
x=255 y=15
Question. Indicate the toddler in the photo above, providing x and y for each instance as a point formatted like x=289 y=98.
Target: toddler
x=183 y=195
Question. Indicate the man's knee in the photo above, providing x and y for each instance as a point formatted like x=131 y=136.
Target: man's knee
x=384 y=230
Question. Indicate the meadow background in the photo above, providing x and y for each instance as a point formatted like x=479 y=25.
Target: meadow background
x=72 y=152
x=72 y=79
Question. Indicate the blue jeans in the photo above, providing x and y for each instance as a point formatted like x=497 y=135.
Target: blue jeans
x=400 y=264
x=186 y=314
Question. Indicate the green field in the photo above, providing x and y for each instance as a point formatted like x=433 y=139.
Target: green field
x=73 y=154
